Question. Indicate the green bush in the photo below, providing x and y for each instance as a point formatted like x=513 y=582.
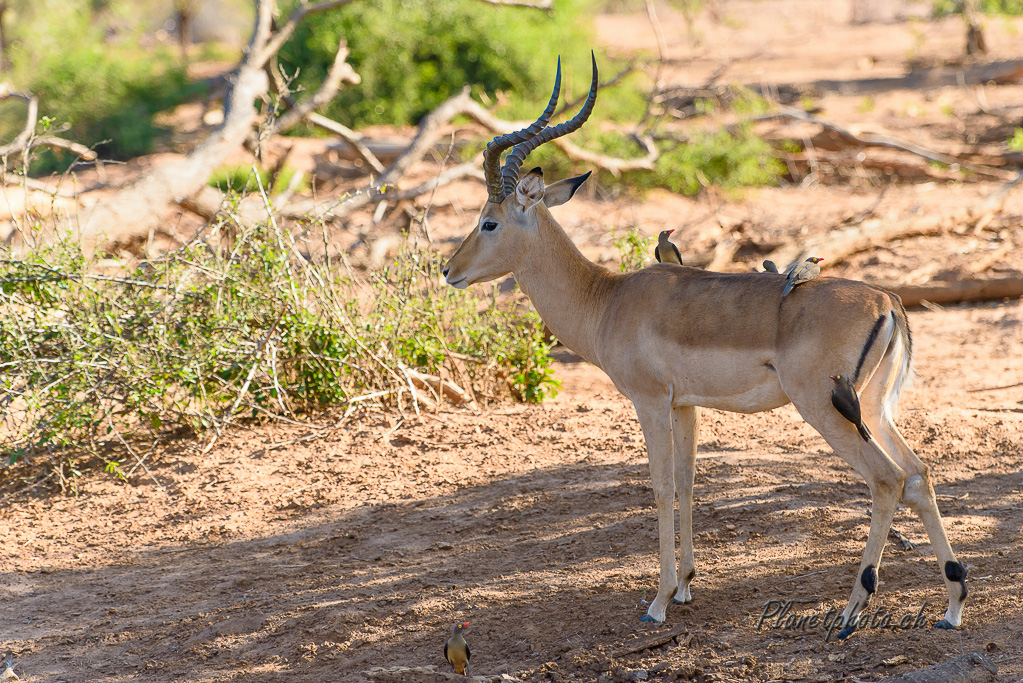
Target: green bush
x=729 y=160
x=411 y=56
x=241 y=179
x=244 y=328
x=634 y=250
x=943 y=8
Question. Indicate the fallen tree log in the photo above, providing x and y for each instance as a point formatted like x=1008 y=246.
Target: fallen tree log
x=848 y=136
x=958 y=292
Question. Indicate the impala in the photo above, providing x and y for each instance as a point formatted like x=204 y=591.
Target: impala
x=674 y=339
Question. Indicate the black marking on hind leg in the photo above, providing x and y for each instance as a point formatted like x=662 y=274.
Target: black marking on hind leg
x=956 y=571
x=689 y=576
x=874 y=331
x=868 y=579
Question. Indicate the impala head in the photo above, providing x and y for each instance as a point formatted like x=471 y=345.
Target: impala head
x=515 y=207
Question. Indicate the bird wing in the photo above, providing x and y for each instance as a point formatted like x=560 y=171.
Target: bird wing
x=467 y=653
x=446 y=651
x=678 y=254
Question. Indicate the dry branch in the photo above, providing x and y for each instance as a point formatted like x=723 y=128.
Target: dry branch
x=26 y=138
x=647 y=642
x=356 y=140
x=837 y=245
x=340 y=72
x=382 y=189
x=136 y=208
x=880 y=140
x=959 y=291
x=442 y=387
x=614 y=165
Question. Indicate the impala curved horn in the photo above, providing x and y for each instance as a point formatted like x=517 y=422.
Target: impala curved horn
x=513 y=162
x=492 y=155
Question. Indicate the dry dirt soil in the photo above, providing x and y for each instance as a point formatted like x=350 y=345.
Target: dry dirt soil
x=317 y=560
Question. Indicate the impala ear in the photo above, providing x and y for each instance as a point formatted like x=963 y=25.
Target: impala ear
x=563 y=190
x=530 y=189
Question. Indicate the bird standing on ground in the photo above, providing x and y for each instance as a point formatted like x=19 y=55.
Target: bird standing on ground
x=804 y=272
x=456 y=650
x=769 y=267
x=846 y=402
x=8 y=672
x=665 y=251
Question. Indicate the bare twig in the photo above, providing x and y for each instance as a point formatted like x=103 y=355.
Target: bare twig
x=340 y=72
x=26 y=138
x=1006 y=386
x=356 y=140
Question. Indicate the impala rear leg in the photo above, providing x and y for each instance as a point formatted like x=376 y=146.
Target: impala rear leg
x=879 y=403
x=655 y=420
x=884 y=478
x=685 y=428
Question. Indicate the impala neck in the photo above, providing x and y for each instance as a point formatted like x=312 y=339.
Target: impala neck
x=568 y=290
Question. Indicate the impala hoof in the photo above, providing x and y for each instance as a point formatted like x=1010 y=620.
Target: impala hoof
x=846 y=632
x=649 y=619
x=945 y=624
x=680 y=602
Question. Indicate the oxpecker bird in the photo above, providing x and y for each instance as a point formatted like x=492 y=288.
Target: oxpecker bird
x=8 y=672
x=456 y=650
x=665 y=251
x=769 y=267
x=847 y=403
x=804 y=272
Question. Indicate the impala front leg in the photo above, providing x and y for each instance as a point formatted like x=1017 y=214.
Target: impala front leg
x=685 y=429
x=655 y=419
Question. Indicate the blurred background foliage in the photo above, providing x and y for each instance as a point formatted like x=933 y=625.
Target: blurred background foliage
x=104 y=69
x=412 y=55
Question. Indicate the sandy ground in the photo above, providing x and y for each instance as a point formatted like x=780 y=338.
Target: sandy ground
x=320 y=559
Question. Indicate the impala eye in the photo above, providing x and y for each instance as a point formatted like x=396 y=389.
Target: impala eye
x=488 y=226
